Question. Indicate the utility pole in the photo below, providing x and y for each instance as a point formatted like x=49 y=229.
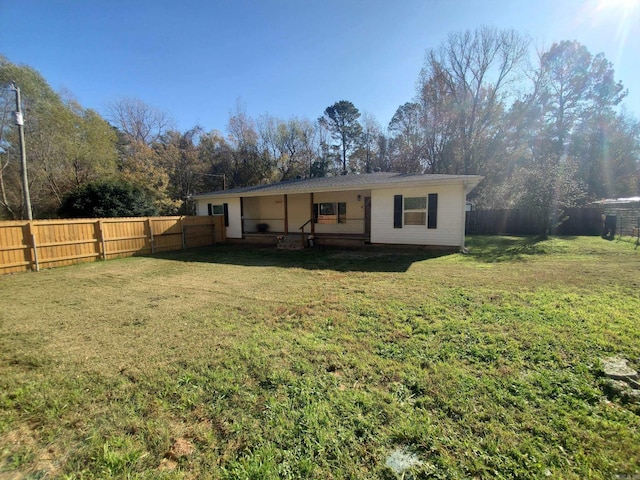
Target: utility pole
x=224 y=178
x=23 y=153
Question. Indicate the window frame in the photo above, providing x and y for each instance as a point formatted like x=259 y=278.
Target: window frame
x=339 y=215
x=419 y=210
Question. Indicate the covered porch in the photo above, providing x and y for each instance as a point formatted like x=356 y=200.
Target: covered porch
x=328 y=217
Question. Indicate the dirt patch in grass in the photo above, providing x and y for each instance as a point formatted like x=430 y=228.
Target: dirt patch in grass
x=24 y=455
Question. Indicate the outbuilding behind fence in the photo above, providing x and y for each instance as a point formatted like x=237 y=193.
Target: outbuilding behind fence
x=32 y=245
x=623 y=214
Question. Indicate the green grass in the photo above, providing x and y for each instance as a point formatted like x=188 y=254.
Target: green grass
x=231 y=362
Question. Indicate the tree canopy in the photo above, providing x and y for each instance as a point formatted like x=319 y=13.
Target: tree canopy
x=545 y=135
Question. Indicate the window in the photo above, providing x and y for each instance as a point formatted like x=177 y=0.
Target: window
x=415 y=211
x=216 y=209
x=328 y=213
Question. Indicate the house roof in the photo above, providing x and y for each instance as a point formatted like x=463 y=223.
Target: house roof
x=619 y=201
x=346 y=182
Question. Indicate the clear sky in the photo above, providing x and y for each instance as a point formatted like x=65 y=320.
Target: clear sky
x=196 y=59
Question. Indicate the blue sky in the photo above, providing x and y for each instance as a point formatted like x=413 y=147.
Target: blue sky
x=196 y=59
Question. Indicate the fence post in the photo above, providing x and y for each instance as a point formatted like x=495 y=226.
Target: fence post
x=102 y=245
x=34 y=246
x=184 y=238
x=151 y=239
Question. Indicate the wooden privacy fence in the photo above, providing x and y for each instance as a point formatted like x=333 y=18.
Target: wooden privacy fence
x=32 y=245
x=572 y=221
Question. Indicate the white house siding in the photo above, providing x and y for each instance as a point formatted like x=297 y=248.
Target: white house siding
x=355 y=211
x=451 y=200
x=234 y=230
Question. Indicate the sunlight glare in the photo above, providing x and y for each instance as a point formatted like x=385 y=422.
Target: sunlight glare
x=621 y=16
x=625 y=7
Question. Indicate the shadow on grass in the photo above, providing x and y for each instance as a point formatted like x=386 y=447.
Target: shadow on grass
x=492 y=249
x=367 y=259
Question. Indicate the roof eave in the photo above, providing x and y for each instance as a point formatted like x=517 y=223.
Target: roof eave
x=469 y=182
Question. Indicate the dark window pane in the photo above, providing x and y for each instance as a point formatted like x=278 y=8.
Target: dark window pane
x=217 y=209
x=327 y=209
x=415 y=203
x=342 y=212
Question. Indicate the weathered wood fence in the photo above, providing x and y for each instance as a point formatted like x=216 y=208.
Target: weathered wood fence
x=573 y=221
x=32 y=245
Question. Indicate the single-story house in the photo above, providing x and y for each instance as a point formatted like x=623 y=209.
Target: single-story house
x=377 y=208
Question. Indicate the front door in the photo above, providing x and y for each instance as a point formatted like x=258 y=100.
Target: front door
x=367 y=216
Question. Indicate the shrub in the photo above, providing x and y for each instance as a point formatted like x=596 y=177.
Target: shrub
x=108 y=199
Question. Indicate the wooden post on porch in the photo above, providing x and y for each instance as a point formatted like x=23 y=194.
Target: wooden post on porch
x=313 y=228
x=242 y=217
x=286 y=215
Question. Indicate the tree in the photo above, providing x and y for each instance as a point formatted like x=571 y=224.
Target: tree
x=564 y=133
x=407 y=142
x=143 y=167
x=325 y=153
x=73 y=147
x=573 y=85
x=38 y=102
x=290 y=144
x=67 y=145
x=547 y=185
x=365 y=159
x=215 y=151
x=107 y=199
x=141 y=123
x=341 y=120
x=250 y=166
x=471 y=75
x=608 y=146
x=178 y=155
x=438 y=125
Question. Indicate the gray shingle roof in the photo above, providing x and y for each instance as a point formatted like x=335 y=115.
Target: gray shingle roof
x=345 y=182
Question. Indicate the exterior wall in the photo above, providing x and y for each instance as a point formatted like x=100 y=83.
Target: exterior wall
x=450 y=225
x=269 y=210
x=355 y=211
x=234 y=230
x=627 y=217
x=299 y=211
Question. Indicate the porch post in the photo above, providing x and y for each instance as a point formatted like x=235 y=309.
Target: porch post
x=286 y=215
x=313 y=224
x=242 y=216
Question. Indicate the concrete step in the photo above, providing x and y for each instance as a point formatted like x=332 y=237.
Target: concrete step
x=290 y=242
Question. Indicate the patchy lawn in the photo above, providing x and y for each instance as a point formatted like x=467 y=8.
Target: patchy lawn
x=229 y=362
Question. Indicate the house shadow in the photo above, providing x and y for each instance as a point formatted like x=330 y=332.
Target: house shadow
x=363 y=259
x=495 y=249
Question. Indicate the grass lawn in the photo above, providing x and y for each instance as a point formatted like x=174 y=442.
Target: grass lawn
x=230 y=362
